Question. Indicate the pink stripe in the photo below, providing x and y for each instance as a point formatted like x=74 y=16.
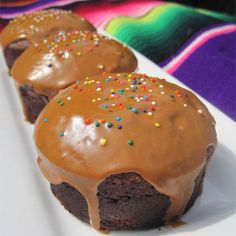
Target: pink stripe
x=197 y=43
x=100 y=15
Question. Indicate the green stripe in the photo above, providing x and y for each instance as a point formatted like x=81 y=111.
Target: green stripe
x=162 y=31
x=217 y=15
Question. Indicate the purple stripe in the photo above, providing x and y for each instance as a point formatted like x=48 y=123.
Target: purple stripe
x=190 y=40
x=211 y=72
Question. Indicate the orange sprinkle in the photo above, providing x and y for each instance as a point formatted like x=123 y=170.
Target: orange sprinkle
x=102 y=121
x=87 y=121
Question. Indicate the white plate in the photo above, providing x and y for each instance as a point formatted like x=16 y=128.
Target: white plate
x=27 y=206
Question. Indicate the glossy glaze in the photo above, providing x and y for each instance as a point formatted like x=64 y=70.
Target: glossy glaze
x=65 y=57
x=80 y=141
x=40 y=24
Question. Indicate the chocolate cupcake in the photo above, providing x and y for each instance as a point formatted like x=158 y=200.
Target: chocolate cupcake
x=125 y=151
x=24 y=30
x=60 y=60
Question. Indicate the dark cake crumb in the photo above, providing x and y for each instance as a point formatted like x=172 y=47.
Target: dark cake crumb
x=33 y=102
x=14 y=50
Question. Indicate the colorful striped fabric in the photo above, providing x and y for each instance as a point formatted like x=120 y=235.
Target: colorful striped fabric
x=195 y=45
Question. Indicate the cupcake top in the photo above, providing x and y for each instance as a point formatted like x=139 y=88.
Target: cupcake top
x=118 y=123
x=63 y=58
x=37 y=25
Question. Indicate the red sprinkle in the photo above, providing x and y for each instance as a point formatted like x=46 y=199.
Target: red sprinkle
x=87 y=121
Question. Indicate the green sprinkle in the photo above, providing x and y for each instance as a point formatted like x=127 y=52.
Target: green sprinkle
x=97 y=124
x=109 y=124
x=130 y=142
x=129 y=107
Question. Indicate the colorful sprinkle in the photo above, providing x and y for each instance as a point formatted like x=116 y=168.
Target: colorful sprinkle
x=157 y=124
x=103 y=141
x=105 y=106
x=102 y=121
x=199 y=111
x=130 y=142
x=87 y=121
x=121 y=91
x=61 y=134
x=119 y=127
x=97 y=124
x=109 y=124
x=45 y=120
x=118 y=118
x=134 y=110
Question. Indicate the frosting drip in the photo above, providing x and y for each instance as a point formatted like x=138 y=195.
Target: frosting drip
x=118 y=123
x=63 y=58
x=40 y=24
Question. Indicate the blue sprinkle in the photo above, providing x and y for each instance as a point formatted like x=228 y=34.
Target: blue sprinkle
x=144 y=111
x=118 y=118
x=134 y=82
x=105 y=106
x=145 y=97
x=119 y=127
x=133 y=90
x=45 y=120
x=61 y=134
x=134 y=110
x=107 y=80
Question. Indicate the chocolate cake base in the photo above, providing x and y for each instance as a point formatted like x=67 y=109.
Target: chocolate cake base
x=126 y=201
x=33 y=103
x=14 y=50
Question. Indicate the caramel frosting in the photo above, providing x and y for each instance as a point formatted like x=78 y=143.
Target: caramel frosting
x=40 y=24
x=117 y=123
x=65 y=57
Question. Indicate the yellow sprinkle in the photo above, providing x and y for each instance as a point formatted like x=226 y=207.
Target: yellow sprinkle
x=103 y=141
x=157 y=125
x=129 y=80
x=112 y=90
x=94 y=100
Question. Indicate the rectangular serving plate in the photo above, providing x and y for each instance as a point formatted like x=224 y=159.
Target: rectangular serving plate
x=27 y=206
